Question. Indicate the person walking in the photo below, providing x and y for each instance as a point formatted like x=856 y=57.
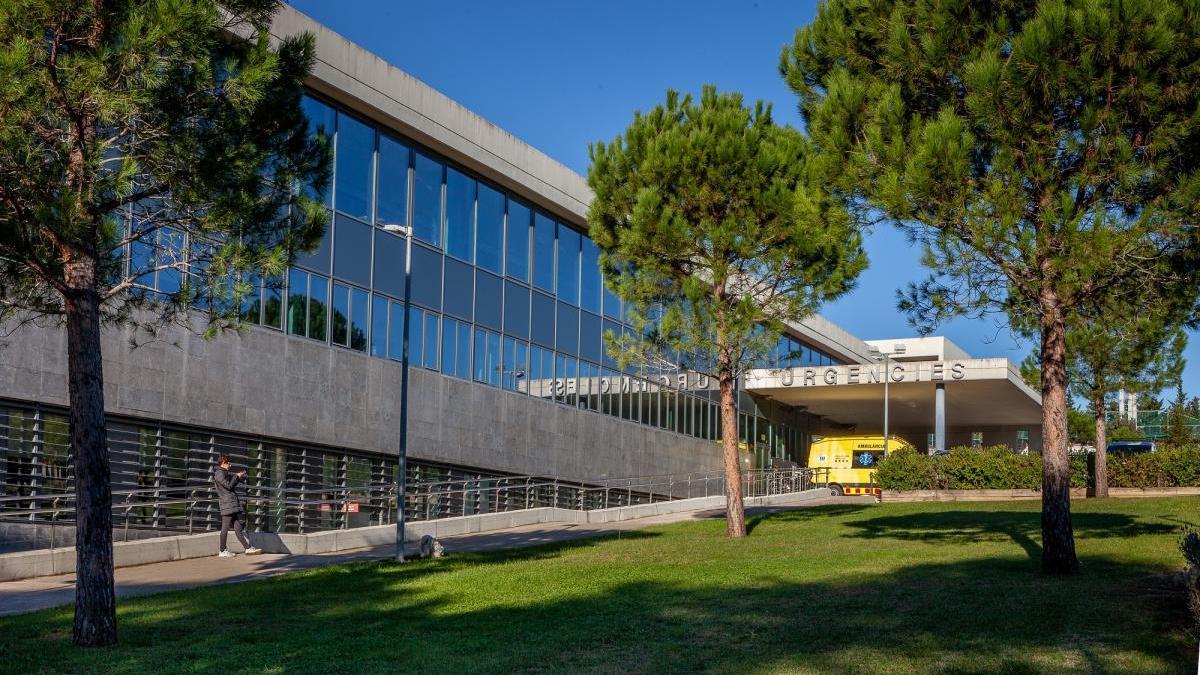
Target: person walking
x=231 y=506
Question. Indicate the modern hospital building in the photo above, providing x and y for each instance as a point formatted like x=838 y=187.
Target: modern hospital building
x=508 y=374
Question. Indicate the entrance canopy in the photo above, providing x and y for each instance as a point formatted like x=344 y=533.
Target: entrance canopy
x=979 y=393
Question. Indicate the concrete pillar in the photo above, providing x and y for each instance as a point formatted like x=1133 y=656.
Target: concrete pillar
x=939 y=418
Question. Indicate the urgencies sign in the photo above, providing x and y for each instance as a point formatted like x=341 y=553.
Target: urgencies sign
x=828 y=376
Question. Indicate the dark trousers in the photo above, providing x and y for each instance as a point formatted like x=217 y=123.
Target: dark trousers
x=234 y=519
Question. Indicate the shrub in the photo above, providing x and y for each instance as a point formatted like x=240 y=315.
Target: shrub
x=1171 y=466
x=904 y=469
x=997 y=467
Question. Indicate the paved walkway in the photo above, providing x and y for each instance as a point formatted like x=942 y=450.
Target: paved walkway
x=27 y=595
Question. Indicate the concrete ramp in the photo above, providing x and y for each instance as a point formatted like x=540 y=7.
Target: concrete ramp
x=49 y=562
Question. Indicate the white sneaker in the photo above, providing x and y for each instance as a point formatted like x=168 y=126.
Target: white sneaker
x=253 y=551
x=226 y=554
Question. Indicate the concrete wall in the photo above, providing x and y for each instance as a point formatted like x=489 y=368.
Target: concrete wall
x=25 y=536
x=266 y=383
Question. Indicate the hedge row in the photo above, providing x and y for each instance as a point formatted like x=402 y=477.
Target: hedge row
x=998 y=467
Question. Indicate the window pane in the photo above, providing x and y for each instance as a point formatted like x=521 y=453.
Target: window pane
x=521 y=367
x=358 y=319
x=321 y=120
x=591 y=345
x=458 y=297
x=541 y=372
x=489 y=290
x=389 y=264
x=567 y=340
x=568 y=264
x=430 y=349
x=449 y=344
x=542 y=328
x=480 y=369
x=352 y=250
x=612 y=305
x=416 y=321
x=341 y=313
x=392 y=208
x=297 y=302
x=251 y=305
x=426 y=277
x=489 y=228
x=396 y=335
x=615 y=330
x=543 y=252
x=379 y=325
x=589 y=281
x=494 y=361
x=354 y=173
x=318 y=259
x=462 y=353
x=170 y=252
x=560 y=371
x=517 y=245
x=273 y=302
x=516 y=310
x=460 y=215
x=318 y=300
x=427 y=200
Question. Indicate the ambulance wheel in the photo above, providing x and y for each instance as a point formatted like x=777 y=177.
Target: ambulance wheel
x=836 y=490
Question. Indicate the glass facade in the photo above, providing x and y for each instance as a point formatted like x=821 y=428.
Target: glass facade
x=502 y=293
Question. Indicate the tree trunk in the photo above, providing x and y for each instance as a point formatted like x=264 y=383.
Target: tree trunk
x=1058 y=539
x=1101 y=478
x=735 y=510
x=95 y=604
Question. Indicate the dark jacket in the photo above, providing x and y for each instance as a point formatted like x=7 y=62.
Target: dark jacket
x=227 y=496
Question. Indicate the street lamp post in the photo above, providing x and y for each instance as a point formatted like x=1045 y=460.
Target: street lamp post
x=402 y=456
x=886 y=356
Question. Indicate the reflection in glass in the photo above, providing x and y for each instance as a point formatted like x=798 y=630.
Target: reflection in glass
x=516 y=259
x=489 y=229
x=416 y=321
x=568 y=264
x=590 y=282
x=341 y=312
x=273 y=302
x=379 y=326
x=358 y=319
x=318 y=300
x=460 y=215
x=427 y=200
x=297 y=302
x=321 y=122
x=392 y=204
x=354 y=170
x=543 y=252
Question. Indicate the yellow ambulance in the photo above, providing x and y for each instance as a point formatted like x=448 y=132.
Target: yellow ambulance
x=850 y=462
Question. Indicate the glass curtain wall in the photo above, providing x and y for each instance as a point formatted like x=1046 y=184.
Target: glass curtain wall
x=503 y=293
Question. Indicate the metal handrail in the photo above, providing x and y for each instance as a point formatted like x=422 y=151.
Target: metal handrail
x=425 y=500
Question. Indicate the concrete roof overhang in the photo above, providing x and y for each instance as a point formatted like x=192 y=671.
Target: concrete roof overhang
x=979 y=393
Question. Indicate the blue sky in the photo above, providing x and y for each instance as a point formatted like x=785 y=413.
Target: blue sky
x=560 y=75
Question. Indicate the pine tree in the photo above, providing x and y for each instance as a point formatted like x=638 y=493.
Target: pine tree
x=1177 y=431
x=1040 y=152
x=1135 y=346
x=714 y=228
x=140 y=139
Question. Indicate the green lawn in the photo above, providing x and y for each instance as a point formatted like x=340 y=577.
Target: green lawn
x=846 y=588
